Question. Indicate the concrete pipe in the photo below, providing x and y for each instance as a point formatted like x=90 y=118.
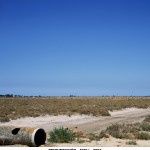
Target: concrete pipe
x=10 y=135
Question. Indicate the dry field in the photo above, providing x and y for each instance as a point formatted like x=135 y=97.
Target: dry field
x=13 y=108
x=98 y=116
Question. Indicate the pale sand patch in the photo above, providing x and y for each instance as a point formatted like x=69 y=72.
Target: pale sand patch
x=50 y=122
x=87 y=123
x=127 y=111
x=104 y=142
x=84 y=122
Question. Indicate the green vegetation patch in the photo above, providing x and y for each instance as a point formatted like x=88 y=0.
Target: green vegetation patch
x=129 y=131
x=61 y=135
x=147 y=119
x=144 y=136
x=132 y=142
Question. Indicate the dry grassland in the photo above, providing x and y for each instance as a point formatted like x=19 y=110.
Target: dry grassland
x=13 y=108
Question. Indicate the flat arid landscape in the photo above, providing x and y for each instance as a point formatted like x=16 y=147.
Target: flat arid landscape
x=75 y=73
x=95 y=121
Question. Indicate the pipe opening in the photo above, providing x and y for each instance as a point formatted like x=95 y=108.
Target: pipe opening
x=15 y=131
x=40 y=137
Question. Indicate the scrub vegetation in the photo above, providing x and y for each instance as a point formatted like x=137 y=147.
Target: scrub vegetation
x=132 y=142
x=61 y=135
x=129 y=131
x=13 y=108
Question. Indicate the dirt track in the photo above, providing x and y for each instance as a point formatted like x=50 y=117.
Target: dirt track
x=125 y=116
x=87 y=124
x=82 y=122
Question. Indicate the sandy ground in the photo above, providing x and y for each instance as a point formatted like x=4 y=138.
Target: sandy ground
x=105 y=142
x=87 y=124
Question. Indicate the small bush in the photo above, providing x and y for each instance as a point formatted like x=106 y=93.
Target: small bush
x=4 y=119
x=147 y=119
x=61 y=135
x=144 y=136
x=131 y=142
x=116 y=131
x=103 y=134
x=94 y=137
x=130 y=131
x=145 y=126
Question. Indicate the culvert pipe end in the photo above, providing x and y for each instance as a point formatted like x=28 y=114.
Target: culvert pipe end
x=10 y=135
x=38 y=137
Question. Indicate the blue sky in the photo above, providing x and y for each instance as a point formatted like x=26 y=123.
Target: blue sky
x=79 y=47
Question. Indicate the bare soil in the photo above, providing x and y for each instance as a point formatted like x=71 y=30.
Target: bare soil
x=87 y=124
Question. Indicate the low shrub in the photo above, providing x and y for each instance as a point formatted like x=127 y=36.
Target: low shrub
x=61 y=135
x=94 y=137
x=130 y=131
x=104 y=134
x=147 y=119
x=116 y=131
x=144 y=136
x=145 y=126
x=4 y=119
x=131 y=142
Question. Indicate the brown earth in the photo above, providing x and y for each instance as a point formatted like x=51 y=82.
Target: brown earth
x=87 y=124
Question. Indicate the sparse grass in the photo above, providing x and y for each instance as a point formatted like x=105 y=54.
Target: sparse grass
x=132 y=142
x=116 y=130
x=103 y=134
x=129 y=131
x=147 y=119
x=145 y=126
x=61 y=135
x=94 y=137
x=14 y=108
x=4 y=119
x=123 y=131
x=144 y=136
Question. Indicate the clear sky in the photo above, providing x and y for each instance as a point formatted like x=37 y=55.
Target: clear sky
x=79 y=47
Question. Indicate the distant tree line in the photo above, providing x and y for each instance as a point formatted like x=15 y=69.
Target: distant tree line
x=12 y=95
x=7 y=95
